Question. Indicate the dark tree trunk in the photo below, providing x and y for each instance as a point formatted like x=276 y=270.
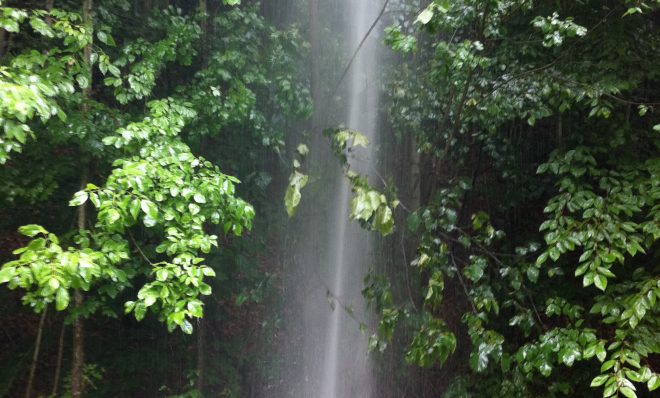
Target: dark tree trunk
x=3 y=42
x=78 y=357
x=58 y=364
x=201 y=355
x=35 y=355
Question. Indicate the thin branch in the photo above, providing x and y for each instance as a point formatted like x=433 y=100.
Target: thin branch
x=357 y=50
x=460 y=279
x=35 y=355
x=406 y=265
x=138 y=247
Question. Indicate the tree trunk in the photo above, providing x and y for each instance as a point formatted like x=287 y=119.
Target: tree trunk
x=78 y=360
x=3 y=42
x=58 y=365
x=49 y=6
x=203 y=10
x=205 y=142
x=201 y=355
x=78 y=357
x=42 y=320
x=35 y=355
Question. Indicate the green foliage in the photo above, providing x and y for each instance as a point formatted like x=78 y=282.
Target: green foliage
x=48 y=272
x=155 y=109
x=32 y=82
x=161 y=184
x=529 y=123
x=297 y=181
x=371 y=208
x=153 y=184
x=143 y=61
x=164 y=185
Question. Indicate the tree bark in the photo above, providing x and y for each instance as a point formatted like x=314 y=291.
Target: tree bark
x=58 y=365
x=35 y=355
x=49 y=6
x=201 y=355
x=203 y=10
x=78 y=357
x=42 y=320
x=78 y=350
x=3 y=42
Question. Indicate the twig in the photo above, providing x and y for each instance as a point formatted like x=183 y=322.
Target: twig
x=460 y=279
x=138 y=247
x=406 y=265
x=357 y=50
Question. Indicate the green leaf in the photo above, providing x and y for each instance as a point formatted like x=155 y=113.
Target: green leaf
x=61 y=299
x=360 y=140
x=79 y=198
x=150 y=297
x=41 y=27
x=195 y=308
x=32 y=230
x=601 y=354
x=105 y=38
x=297 y=181
x=384 y=220
x=82 y=80
x=53 y=283
x=425 y=16
x=149 y=208
x=653 y=383
x=140 y=311
x=599 y=380
x=199 y=198
x=6 y=274
x=554 y=253
x=302 y=150
x=610 y=390
x=162 y=274
x=542 y=258
x=186 y=327
x=533 y=274
x=129 y=306
x=112 y=216
x=194 y=209
x=600 y=281
x=628 y=392
x=149 y=221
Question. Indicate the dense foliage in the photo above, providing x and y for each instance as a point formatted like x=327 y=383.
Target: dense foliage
x=115 y=118
x=532 y=199
x=538 y=128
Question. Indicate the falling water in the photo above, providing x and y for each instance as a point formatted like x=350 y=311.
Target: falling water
x=348 y=243
x=327 y=351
